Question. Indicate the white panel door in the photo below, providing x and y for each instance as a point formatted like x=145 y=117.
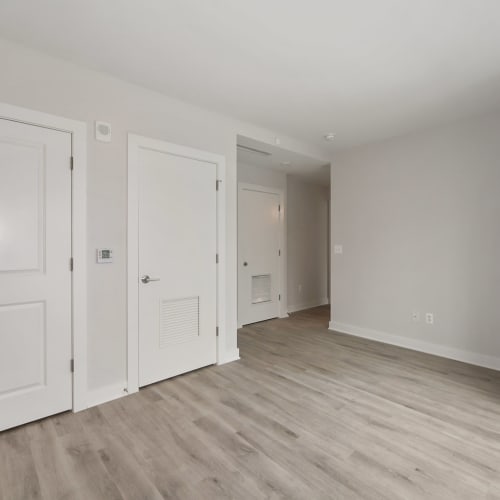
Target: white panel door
x=258 y=255
x=35 y=277
x=177 y=251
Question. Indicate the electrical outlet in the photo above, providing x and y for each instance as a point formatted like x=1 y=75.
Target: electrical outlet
x=337 y=249
x=429 y=318
x=415 y=317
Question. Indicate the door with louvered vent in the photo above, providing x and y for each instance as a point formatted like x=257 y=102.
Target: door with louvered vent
x=258 y=254
x=177 y=265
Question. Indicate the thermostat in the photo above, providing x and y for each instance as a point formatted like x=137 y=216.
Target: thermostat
x=104 y=256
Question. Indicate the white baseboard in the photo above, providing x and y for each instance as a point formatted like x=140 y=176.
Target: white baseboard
x=230 y=356
x=472 y=358
x=114 y=391
x=107 y=393
x=308 y=305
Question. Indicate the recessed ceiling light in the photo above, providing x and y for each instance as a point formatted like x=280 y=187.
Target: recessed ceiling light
x=330 y=136
x=285 y=163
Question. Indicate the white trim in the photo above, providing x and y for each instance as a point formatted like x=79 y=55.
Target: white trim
x=106 y=393
x=283 y=313
x=229 y=357
x=80 y=385
x=78 y=131
x=132 y=267
x=308 y=305
x=135 y=142
x=472 y=358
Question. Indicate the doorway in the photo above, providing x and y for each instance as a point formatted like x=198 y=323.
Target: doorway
x=260 y=238
x=299 y=221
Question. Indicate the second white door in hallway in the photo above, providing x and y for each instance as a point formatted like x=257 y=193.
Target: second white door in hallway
x=259 y=253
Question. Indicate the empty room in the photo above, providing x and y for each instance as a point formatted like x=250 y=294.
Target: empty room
x=249 y=250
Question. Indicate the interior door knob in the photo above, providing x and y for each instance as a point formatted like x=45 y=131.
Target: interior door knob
x=146 y=279
x=245 y=264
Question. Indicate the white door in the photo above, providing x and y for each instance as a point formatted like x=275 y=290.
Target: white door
x=177 y=265
x=258 y=255
x=35 y=277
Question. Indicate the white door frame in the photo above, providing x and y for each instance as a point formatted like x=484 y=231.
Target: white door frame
x=78 y=131
x=136 y=142
x=283 y=305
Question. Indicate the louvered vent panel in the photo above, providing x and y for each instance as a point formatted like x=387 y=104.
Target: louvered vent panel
x=179 y=321
x=261 y=288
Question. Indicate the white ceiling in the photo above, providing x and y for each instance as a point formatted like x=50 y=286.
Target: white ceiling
x=364 y=69
x=282 y=160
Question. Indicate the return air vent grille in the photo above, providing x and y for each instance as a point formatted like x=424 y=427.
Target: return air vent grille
x=179 y=321
x=261 y=288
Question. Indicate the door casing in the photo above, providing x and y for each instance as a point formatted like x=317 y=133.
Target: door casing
x=78 y=131
x=283 y=305
x=135 y=143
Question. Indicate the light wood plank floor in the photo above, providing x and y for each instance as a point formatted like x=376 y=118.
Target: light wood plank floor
x=305 y=414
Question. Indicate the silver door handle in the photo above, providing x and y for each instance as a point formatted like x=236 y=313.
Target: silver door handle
x=146 y=279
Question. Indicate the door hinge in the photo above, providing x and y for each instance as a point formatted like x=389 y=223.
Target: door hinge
x=279 y=208
x=217 y=184
x=71 y=264
x=216 y=331
x=72 y=365
x=71 y=163
x=279 y=296
x=216 y=258
x=279 y=253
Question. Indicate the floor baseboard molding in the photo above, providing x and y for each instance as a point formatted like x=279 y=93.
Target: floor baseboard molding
x=308 y=305
x=107 y=393
x=469 y=357
x=114 y=391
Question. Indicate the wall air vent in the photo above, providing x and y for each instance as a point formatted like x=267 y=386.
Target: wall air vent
x=261 y=288
x=179 y=321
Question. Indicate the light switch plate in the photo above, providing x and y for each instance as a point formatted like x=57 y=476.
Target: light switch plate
x=337 y=249
x=104 y=256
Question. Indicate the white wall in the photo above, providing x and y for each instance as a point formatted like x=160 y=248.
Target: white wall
x=267 y=177
x=43 y=83
x=419 y=221
x=307 y=243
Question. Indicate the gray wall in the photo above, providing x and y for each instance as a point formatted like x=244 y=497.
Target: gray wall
x=307 y=243
x=33 y=80
x=419 y=221
x=259 y=176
